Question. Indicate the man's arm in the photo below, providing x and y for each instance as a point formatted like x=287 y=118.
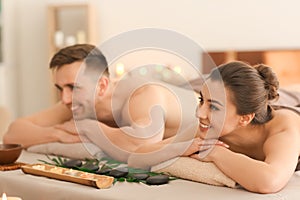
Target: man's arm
x=139 y=152
x=119 y=143
x=154 y=153
x=40 y=128
x=144 y=118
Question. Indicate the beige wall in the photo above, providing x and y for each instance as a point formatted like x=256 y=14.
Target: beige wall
x=213 y=24
x=2 y=84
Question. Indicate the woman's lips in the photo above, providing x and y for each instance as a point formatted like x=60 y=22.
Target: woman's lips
x=204 y=127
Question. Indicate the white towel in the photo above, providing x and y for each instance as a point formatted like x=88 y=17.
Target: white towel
x=75 y=150
x=195 y=170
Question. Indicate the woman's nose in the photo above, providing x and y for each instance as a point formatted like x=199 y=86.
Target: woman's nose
x=202 y=112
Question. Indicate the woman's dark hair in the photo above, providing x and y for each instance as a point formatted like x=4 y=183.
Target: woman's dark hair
x=251 y=88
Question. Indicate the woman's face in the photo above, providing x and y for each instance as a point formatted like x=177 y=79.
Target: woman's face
x=216 y=112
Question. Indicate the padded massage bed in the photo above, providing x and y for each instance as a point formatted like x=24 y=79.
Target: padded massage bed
x=16 y=183
x=30 y=187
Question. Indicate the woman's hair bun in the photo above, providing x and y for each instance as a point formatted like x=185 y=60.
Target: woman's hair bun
x=270 y=79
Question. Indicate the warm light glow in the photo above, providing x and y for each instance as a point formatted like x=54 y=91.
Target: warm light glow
x=158 y=68
x=120 y=69
x=166 y=74
x=143 y=71
x=4 y=196
x=71 y=172
x=177 y=69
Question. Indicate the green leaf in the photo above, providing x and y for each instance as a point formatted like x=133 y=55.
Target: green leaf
x=110 y=161
x=56 y=161
x=132 y=180
x=108 y=164
x=122 y=179
x=84 y=169
x=61 y=162
x=45 y=162
x=136 y=171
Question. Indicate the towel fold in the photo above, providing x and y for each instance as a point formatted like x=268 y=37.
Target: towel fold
x=195 y=170
x=75 y=150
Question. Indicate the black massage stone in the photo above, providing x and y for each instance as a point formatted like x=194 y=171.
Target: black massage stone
x=140 y=176
x=91 y=167
x=119 y=172
x=157 y=180
x=103 y=171
x=73 y=163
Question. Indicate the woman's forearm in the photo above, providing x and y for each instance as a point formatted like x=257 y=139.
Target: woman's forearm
x=149 y=155
x=254 y=175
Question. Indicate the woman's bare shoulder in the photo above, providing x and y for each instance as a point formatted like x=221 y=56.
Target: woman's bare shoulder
x=286 y=115
x=284 y=120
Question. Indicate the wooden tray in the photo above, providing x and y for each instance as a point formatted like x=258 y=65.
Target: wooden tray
x=14 y=166
x=59 y=173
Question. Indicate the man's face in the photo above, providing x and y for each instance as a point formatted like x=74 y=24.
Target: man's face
x=84 y=96
x=64 y=80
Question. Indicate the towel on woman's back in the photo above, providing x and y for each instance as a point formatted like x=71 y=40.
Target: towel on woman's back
x=288 y=100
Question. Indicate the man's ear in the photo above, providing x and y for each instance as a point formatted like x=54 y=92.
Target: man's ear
x=246 y=119
x=102 y=85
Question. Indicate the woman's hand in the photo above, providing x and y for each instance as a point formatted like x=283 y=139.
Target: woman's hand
x=200 y=149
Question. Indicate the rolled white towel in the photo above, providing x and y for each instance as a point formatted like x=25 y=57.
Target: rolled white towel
x=195 y=170
x=74 y=150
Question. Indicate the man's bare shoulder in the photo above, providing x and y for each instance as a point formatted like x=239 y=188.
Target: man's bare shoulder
x=161 y=89
x=149 y=89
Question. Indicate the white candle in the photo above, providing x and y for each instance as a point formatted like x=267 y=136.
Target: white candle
x=56 y=170
x=70 y=40
x=59 y=39
x=4 y=197
x=71 y=172
x=81 y=39
x=120 y=69
x=87 y=175
x=39 y=167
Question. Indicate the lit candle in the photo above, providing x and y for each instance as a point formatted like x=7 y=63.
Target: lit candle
x=81 y=38
x=70 y=40
x=59 y=39
x=87 y=175
x=56 y=170
x=4 y=197
x=120 y=69
x=71 y=172
x=39 y=167
x=177 y=69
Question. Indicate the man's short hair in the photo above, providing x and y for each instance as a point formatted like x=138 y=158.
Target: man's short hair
x=77 y=53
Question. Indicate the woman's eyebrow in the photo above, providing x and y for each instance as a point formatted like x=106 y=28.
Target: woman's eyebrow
x=211 y=100
x=215 y=101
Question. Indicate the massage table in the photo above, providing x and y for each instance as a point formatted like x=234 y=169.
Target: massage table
x=31 y=187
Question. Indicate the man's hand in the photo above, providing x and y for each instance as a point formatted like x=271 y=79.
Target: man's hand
x=67 y=133
x=68 y=126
